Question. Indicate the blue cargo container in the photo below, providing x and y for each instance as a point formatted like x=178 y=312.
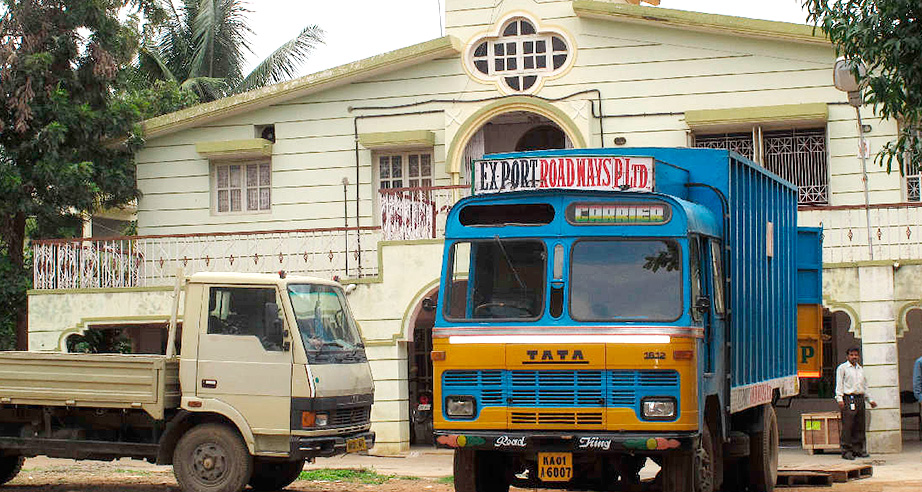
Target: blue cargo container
x=745 y=353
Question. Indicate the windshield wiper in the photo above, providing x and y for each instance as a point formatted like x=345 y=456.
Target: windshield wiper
x=515 y=273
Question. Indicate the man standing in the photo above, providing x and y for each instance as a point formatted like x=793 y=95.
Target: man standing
x=851 y=391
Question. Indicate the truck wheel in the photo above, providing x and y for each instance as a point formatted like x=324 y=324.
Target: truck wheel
x=763 y=452
x=212 y=458
x=704 y=463
x=10 y=466
x=480 y=471
x=275 y=475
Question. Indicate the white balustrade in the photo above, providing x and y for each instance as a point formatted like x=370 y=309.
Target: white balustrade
x=896 y=232
x=417 y=213
x=142 y=261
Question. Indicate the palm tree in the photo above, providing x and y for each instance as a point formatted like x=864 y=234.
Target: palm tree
x=202 y=47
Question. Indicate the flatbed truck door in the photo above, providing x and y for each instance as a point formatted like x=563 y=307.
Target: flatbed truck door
x=242 y=359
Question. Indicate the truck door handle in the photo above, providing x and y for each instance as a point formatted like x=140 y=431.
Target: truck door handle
x=209 y=383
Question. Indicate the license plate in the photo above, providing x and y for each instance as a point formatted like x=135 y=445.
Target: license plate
x=555 y=467
x=356 y=445
x=424 y=407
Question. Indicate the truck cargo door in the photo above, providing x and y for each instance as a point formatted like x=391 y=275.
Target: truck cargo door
x=243 y=359
x=809 y=302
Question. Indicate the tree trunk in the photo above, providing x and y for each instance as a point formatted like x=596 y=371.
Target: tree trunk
x=15 y=234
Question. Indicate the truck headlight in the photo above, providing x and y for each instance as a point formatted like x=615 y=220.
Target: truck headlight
x=460 y=406
x=658 y=408
x=322 y=419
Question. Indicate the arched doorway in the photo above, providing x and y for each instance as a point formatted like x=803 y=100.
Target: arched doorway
x=513 y=131
x=909 y=348
x=419 y=369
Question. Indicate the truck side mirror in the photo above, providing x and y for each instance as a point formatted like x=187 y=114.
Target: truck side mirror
x=703 y=305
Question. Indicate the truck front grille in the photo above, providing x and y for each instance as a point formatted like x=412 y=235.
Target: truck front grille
x=351 y=416
x=557 y=418
x=546 y=388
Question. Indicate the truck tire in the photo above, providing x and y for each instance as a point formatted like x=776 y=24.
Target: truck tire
x=705 y=466
x=212 y=458
x=480 y=471
x=763 y=452
x=274 y=475
x=10 y=466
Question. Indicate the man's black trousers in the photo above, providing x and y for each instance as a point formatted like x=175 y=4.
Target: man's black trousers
x=853 y=438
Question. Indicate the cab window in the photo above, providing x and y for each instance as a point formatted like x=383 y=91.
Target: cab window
x=496 y=279
x=614 y=280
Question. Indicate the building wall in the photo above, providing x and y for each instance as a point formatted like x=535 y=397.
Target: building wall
x=647 y=77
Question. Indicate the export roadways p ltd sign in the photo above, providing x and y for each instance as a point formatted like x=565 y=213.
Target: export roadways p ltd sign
x=618 y=173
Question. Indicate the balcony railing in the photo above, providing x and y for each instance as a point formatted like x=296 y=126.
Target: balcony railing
x=896 y=231
x=417 y=213
x=140 y=261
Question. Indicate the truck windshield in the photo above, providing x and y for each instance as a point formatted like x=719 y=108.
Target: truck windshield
x=497 y=279
x=625 y=280
x=323 y=317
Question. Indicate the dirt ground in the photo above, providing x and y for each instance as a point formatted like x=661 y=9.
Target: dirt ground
x=46 y=475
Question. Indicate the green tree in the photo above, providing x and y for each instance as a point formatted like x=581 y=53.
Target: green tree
x=203 y=46
x=67 y=131
x=886 y=35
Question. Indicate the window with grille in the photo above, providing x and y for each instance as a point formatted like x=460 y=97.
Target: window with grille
x=242 y=187
x=797 y=155
x=913 y=181
x=405 y=170
x=520 y=55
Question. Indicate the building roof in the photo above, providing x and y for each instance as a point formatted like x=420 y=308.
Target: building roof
x=697 y=21
x=452 y=46
x=309 y=84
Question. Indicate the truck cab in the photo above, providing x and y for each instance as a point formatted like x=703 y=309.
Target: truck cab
x=280 y=356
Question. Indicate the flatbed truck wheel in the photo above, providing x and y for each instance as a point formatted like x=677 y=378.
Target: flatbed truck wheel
x=763 y=452
x=480 y=471
x=274 y=475
x=10 y=466
x=212 y=458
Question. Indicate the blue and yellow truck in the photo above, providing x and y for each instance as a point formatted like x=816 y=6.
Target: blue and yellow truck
x=602 y=307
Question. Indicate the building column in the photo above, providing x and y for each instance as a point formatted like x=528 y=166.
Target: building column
x=390 y=414
x=877 y=312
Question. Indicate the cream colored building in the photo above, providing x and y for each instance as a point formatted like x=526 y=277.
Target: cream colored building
x=312 y=176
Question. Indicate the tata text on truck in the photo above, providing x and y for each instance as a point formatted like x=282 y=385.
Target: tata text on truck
x=602 y=307
x=271 y=371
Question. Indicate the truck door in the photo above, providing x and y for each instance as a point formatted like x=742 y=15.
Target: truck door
x=243 y=359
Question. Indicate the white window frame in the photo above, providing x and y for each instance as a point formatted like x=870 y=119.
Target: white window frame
x=405 y=168
x=244 y=187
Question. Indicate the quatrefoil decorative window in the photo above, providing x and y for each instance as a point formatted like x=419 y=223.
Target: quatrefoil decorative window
x=520 y=56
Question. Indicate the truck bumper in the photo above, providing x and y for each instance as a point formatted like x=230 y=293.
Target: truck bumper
x=575 y=442
x=312 y=447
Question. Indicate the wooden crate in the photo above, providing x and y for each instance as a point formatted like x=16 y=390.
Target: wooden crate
x=820 y=431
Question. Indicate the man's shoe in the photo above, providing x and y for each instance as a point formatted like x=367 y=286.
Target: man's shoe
x=863 y=454
x=848 y=456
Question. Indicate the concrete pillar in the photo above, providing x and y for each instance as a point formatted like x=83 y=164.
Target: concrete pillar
x=390 y=418
x=879 y=356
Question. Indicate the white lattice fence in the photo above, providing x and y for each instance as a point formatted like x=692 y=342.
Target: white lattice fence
x=896 y=232
x=153 y=260
x=417 y=213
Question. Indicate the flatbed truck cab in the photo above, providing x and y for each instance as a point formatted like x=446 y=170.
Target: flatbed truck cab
x=585 y=313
